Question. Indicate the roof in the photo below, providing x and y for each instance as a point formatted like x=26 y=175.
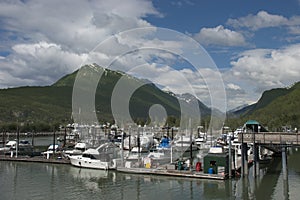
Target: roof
x=251 y=122
x=91 y=151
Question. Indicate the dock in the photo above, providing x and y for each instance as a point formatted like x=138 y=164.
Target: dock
x=36 y=159
x=175 y=173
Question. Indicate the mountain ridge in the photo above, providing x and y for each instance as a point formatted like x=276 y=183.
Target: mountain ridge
x=53 y=103
x=277 y=107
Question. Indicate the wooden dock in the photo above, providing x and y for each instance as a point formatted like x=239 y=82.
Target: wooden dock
x=37 y=159
x=270 y=138
x=175 y=173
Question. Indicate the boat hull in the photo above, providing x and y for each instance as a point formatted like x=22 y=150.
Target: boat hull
x=80 y=161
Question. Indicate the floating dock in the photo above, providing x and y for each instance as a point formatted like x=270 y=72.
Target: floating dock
x=175 y=173
x=37 y=159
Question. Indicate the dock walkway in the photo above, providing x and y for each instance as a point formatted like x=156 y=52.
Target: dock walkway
x=38 y=159
x=175 y=173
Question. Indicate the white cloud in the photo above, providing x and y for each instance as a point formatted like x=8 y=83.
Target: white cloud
x=232 y=86
x=52 y=38
x=37 y=64
x=262 y=69
x=261 y=20
x=220 y=36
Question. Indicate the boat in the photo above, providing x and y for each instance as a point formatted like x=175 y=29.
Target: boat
x=52 y=148
x=104 y=157
x=24 y=148
x=164 y=143
x=137 y=153
x=8 y=146
x=158 y=157
x=79 y=148
x=146 y=141
x=185 y=144
x=200 y=139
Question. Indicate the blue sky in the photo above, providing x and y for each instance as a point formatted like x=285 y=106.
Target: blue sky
x=255 y=44
x=191 y=16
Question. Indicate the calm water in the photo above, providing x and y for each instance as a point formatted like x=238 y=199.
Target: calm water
x=48 y=181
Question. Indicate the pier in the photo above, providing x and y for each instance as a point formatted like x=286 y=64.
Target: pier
x=259 y=137
x=37 y=159
x=169 y=172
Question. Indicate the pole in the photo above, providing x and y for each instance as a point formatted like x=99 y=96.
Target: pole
x=18 y=139
x=254 y=153
x=211 y=136
x=191 y=144
x=32 y=138
x=122 y=150
x=284 y=164
x=230 y=159
x=65 y=137
x=53 y=142
x=139 y=146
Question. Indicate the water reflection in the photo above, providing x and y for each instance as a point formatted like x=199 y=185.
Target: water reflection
x=46 y=181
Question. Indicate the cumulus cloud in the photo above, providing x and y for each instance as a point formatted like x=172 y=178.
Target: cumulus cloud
x=261 y=20
x=220 y=36
x=37 y=64
x=48 y=39
x=233 y=86
x=261 y=69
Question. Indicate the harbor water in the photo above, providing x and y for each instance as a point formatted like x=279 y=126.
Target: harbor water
x=23 y=180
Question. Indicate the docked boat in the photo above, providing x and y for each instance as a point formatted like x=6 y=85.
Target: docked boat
x=8 y=146
x=201 y=138
x=24 y=148
x=52 y=148
x=79 y=148
x=158 y=157
x=137 y=153
x=165 y=143
x=104 y=157
x=185 y=144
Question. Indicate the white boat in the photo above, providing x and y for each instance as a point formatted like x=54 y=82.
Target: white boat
x=79 y=148
x=8 y=146
x=146 y=141
x=51 y=148
x=200 y=139
x=104 y=157
x=184 y=143
x=24 y=148
x=161 y=156
x=137 y=153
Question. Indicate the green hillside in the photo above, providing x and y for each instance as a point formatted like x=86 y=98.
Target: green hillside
x=276 y=108
x=49 y=105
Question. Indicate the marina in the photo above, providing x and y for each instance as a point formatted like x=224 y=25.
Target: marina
x=221 y=164
x=179 y=157
x=52 y=181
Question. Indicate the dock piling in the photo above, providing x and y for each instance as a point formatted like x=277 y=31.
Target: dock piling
x=284 y=163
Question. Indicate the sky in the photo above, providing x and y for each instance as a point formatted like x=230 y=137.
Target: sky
x=255 y=45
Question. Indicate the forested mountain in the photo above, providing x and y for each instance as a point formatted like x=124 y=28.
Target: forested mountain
x=276 y=108
x=41 y=106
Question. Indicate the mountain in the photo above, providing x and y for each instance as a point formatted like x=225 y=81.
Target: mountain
x=276 y=108
x=53 y=104
x=189 y=100
x=241 y=110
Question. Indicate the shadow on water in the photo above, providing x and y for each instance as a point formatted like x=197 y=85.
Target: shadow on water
x=46 y=181
x=265 y=185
